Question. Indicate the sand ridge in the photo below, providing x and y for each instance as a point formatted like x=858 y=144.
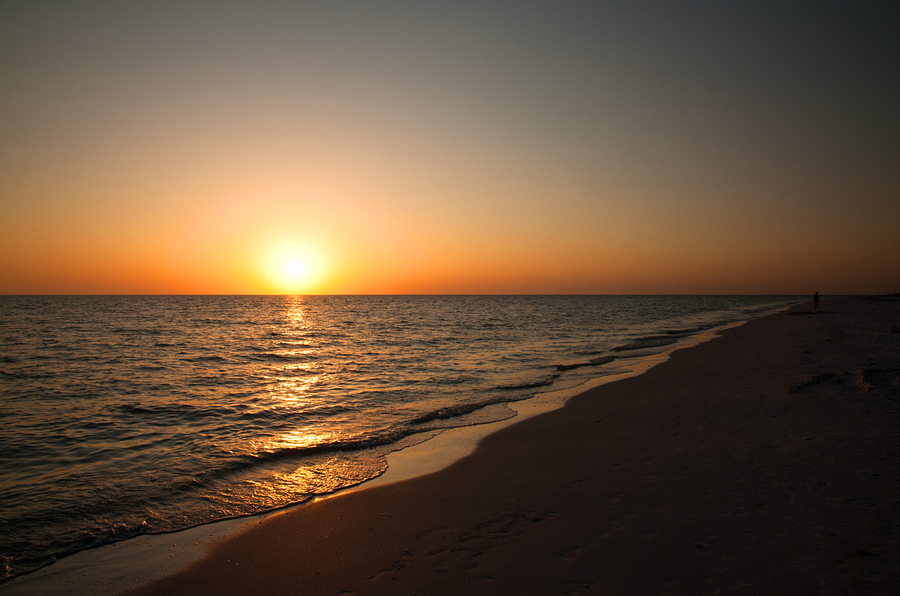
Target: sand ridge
x=760 y=462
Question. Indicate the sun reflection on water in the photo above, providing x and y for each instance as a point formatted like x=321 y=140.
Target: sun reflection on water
x=293 y=392
x=305 y=437
x=317 y=468
x=294 y=381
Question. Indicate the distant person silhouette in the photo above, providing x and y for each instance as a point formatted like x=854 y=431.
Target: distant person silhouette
x=816 y=300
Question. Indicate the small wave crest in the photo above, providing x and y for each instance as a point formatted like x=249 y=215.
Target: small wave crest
x=458 y=411
x=213 y=358
x=530 y=385
x=591 y=362
x=653 y=341
x=368 y=442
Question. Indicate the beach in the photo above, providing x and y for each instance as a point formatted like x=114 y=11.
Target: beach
x=761 y=461
x=137 y=416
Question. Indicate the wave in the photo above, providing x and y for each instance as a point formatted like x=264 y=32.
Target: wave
x=448 y=380
x=687 y=331
x=368 y=442
x=178 y=412
x=283 y=357
x=207 y=359
x=532 y=385
x=653 y=341
x=458 y=410
x=249 y=461
x=279 y=414
x=592 y=362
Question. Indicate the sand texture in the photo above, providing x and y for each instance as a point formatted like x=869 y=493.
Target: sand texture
x=764 y=461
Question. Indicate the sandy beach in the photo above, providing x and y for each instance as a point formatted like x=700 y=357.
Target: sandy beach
x=764 y=461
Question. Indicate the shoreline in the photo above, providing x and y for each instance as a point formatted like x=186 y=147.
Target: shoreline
x=457 y=443
x=761 y=461
x=121 y=566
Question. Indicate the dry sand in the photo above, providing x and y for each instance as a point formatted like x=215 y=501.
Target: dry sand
x=764 y=461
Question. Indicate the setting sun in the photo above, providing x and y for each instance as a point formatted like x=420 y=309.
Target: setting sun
x=294 y=269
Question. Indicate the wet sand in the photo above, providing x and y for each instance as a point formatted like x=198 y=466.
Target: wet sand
x=764 y=461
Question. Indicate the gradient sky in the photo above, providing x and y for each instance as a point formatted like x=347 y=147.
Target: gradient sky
x=449 y=147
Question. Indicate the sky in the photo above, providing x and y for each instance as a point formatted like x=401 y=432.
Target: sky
x=449 y=147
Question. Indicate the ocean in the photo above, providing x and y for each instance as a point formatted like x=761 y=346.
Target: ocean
x=129 y=415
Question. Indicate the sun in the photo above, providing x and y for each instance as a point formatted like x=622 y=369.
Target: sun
x=294 y=269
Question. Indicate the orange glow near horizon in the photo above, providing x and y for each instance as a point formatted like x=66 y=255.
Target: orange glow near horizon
x=595 y=148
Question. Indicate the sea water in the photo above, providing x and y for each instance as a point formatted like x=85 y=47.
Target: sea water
x=129 y=415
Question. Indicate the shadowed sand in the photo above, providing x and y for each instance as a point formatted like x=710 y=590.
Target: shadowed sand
x=765 y=461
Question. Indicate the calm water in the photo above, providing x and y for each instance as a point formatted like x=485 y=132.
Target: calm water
x=127 y=415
